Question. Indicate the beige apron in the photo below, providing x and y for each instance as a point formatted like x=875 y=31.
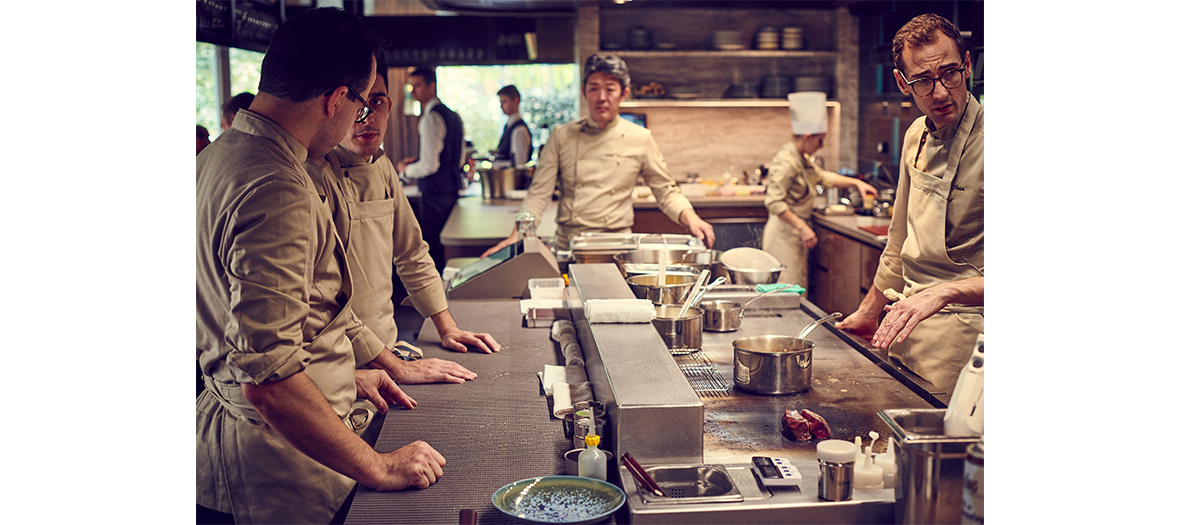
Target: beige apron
x=783 y=242
x=371 y=224
x=940 y=345
x=258 y=475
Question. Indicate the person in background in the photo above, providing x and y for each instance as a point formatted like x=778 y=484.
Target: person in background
x=438 y=168
x=598 y=159
x=277 y=341
x=790 y=188
x=932 y=267
x=379 y=232
x=202 y=138
x=230 y=109
x=516 y=142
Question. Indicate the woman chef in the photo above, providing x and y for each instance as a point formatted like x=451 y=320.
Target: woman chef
x=790 y=189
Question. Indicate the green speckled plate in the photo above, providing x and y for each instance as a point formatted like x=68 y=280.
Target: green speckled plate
x=559 y=499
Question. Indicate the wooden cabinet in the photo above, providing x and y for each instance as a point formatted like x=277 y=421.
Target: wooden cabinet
x=835 y=272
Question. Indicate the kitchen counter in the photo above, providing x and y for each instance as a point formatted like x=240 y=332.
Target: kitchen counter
x=847 y=225
x=498 y=428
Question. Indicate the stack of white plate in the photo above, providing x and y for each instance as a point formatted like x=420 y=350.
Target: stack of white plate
x=728 y=40
x=792 y=38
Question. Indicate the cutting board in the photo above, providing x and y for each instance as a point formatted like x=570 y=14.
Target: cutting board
x=881 y=230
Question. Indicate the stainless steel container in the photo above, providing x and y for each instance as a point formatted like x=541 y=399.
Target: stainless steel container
x=929 y=485
x=680 y=334
x=647 y=261
x=721 y=316
x=496 y=183
x=752 y=276
x=675 y=289
x=772 y=364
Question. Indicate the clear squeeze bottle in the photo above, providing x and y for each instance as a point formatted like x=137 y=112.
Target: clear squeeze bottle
x=592 y=462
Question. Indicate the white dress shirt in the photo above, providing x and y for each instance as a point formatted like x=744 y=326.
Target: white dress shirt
x=432 y=130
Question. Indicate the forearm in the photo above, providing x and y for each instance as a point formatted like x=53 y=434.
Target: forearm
x=967 y=292
x=792 y=220
x=297 y=410
x=444 y=322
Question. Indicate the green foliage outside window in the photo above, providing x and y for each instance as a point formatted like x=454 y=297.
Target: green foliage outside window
x=549 y=96
x=244 y=70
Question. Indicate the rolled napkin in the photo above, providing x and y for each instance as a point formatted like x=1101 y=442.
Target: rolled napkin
x=619 y=310
x=575 y=374
x=573 y=353
x=561 y=328
x=562 y=404
x=581 y=392
x=550 y=375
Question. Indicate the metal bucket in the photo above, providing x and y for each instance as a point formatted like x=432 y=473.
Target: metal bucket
x=680 y=334
x=929 y=485
x=772 y=364
x=496 y=183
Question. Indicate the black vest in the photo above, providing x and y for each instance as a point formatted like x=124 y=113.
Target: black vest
x=505 y=151
x=450 y=173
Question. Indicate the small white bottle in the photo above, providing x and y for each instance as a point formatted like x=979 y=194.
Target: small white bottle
x=592 y=462
x=888 y=464
x=866 y=475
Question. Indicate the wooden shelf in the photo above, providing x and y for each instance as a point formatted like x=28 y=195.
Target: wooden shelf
x=744 y=53
x=714 y=103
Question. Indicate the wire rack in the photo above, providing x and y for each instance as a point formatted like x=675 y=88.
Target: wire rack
x=702 y=375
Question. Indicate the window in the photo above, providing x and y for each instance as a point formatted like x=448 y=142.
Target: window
x=548 y=97
x=244 y=68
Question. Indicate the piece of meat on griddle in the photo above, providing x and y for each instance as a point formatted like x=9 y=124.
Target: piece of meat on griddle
x=795 y=426
x=816 y=424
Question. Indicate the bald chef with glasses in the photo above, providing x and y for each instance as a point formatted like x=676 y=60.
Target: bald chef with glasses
x=932 y=267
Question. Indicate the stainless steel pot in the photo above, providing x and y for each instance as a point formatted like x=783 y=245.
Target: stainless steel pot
x=675 y=290
x=772 y=364
x=680 y=334
x=721 y=316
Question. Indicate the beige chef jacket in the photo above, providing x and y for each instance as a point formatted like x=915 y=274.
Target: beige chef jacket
x=596 y=169
x=791 y=185
x=272 y=300
x=379 y=231
x=936 y=236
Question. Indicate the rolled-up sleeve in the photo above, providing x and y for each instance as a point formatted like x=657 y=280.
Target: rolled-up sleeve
x=268 y=258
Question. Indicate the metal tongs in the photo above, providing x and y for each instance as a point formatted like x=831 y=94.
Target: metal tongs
x=642 y=476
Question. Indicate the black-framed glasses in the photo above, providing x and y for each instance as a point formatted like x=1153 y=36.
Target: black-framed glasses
x=361 y=114
x=923 y=87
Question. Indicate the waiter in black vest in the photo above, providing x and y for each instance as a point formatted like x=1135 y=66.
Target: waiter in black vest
x=516 y=143
x=438 y=168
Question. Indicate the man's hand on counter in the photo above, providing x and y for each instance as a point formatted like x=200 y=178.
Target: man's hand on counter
x=431 y=370
x=414 y=465
x=697 y=226
x=377 y=387
x=459 y=340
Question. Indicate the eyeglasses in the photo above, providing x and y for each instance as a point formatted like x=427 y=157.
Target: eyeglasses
x=361 y=114
x=924 y=86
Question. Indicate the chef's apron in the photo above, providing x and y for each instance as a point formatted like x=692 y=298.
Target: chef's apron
x=940 y=345
x=261 y=477
x=370 y=225
x=783 y=241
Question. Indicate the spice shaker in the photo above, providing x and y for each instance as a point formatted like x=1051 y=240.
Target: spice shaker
x=836 y=461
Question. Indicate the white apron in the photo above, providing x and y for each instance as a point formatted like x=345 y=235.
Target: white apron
x=782 y=241
x=940 y=345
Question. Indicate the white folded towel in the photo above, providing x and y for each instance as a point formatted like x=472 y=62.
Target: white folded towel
x=619 y=310
x=562 y=404
x=550 y=375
